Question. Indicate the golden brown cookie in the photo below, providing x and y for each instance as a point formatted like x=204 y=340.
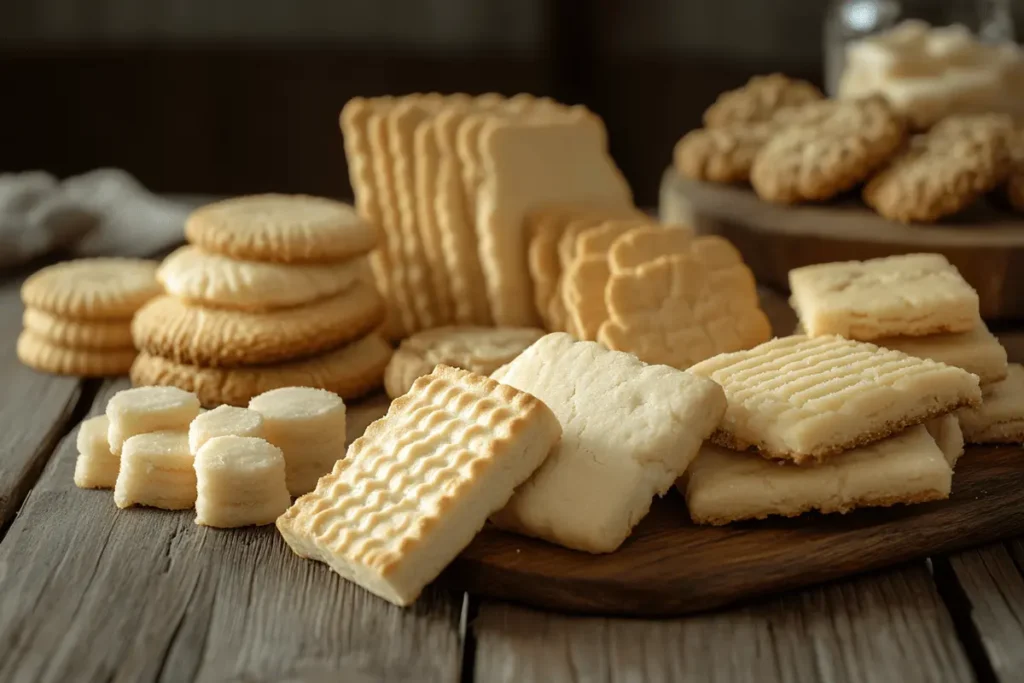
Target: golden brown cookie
x=38 y=353
x=282 y=228
x=350 y=371
x=92 y=289
x=79 y=334
x=213 y=337
x=759 y=99
x=1015 y=181
x=721 y=155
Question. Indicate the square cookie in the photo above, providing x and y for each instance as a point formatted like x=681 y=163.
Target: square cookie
x=1000 y=417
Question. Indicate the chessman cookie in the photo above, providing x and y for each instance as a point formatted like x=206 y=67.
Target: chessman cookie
x=281 y=228
x=721 y=155
x=414 y=490
x=40 y=354
x=838 y=150
x=723 y=486
x=1000 y=417
x=207 y=279
x=644 y=244
x=239 y=482
x=149 y=409
x=948 y=435
x=156 y=471
x=911 y=295
x=943 y=171
x=92 y=289
x=805 y=399
x=760 y=99
x=213 y=337
x=350 y=371
x=79 y=334
x=223 y=421
x=629 y=430
x=96 y=467
x=478 y=349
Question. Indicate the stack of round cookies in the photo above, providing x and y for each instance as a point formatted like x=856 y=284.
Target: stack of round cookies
x=78 y=315
x=272 y=291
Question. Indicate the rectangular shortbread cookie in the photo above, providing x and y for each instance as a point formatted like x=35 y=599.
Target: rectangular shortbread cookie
x=948 y=435
x=723 y=486
x=805 y=398
x=421 y=481
x=628 y=431
x=911 y=295
x=1000 y=417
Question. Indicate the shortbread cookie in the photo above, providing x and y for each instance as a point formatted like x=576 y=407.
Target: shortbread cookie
x=478 y=349
x=723 y=486
x=203 y=278
x=910 y=295
x=79 y=334
x=628 y=431
x=817 y=161
x=759 y=100
x=948 y=435
x=644 y=244
x=805 y=399
x=40 y=354
x=239 y=482
x=1000 y=417
x=943 y=171
x=96 y=467
x=156 y=471
x=167 y=327
x=977 y=351
x=92 y=289
x=545 y=229
x=419 y=484
x=350 y=371
x=721 y=155
x=223 y=421
x=281 y=228
x=149 y=409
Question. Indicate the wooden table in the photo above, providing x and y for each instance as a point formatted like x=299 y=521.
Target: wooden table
x=90 y=593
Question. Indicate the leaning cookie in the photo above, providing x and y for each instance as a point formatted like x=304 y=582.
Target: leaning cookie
x=759 y=100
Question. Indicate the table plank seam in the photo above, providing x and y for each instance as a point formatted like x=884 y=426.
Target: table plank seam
x=959 y=606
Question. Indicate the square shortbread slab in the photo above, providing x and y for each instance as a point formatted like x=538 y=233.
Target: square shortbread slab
x=628 y=431
x=910 y=295
x=805 y=398
x=1000 y=417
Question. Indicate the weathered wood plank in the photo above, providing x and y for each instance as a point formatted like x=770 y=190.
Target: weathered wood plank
x=88 y=592
x=884 y=627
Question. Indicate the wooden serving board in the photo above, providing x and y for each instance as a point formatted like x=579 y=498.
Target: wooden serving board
x=985 y=244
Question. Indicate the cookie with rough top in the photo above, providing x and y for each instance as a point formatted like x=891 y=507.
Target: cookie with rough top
x=93 y=288
x=40 y=354
x=281 y=228
x=721 y=155
x=79 y=334
x=759 y=100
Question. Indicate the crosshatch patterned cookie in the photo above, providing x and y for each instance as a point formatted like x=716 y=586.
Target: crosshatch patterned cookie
x=760 y=99
x=79 y=334
x=805 y=399
x=40 y=354
x=92 y=289
x=419 y=484
x=1000 y=417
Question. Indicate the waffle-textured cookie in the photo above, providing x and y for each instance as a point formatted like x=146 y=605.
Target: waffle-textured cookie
x=79 y=334
x=478 y=349
x=908 y=295
x=281 y=228
x=804 y=399
x=721 y=155
x=168 y=328
x=419 y=484
x=239 y=482
x=92 y=289
x=628 y=431
x=45 y=356
x=1000 y=417
x=96 y=467
x=350 y=371
x=760 y=99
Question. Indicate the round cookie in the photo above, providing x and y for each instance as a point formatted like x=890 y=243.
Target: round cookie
x=721 y=155
x=281 y=228
x=223 y=421
x=759 y=100
x=220 y=338
x=209 y=279
x=350 y=372
x=92 y=289
x=79 y=334
x=36 y=352
x=478 y=349
x=300 y=413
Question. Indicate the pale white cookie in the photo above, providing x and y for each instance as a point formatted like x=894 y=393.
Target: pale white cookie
x=239 y=482
x=96 y=467
x=1000 y=417
x=149 y=409
x=948 y=435
x=156 y=471
x=223 y=421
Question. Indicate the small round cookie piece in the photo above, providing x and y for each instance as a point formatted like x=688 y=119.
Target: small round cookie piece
x=79 y=334
x=92 y=289
x=281 y=228
x=240 y=481
x=96 y=467
x=202 y=278
x=156 y=471
x=759 y=100
x=223 y=421
x=40 y=354
x=148 y=409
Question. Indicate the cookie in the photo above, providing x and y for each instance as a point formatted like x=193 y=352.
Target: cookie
x=805 y=399
x=721 y=155
x=239 y=482
x=167 y=327
x=350 y=371
x=96 y=467
x=977 y=351
x=478 y=349
x=223 y=421
x=203 y=278
x=156 y=471
x=149 y=409
x=545 y=228
x=907 y=295
x=415 y=489
x=79 y=334
x=1015 y=179
x=948 y=435
x=45 y=356
x=1000 y=417
x=92 y=289
x=943 y=171
x=281 y=228
x=759 y=100
x=647 y=243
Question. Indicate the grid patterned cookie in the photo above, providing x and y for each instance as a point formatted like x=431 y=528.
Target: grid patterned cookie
x=417 y=486
x=1000 y=417
x=803 y=399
